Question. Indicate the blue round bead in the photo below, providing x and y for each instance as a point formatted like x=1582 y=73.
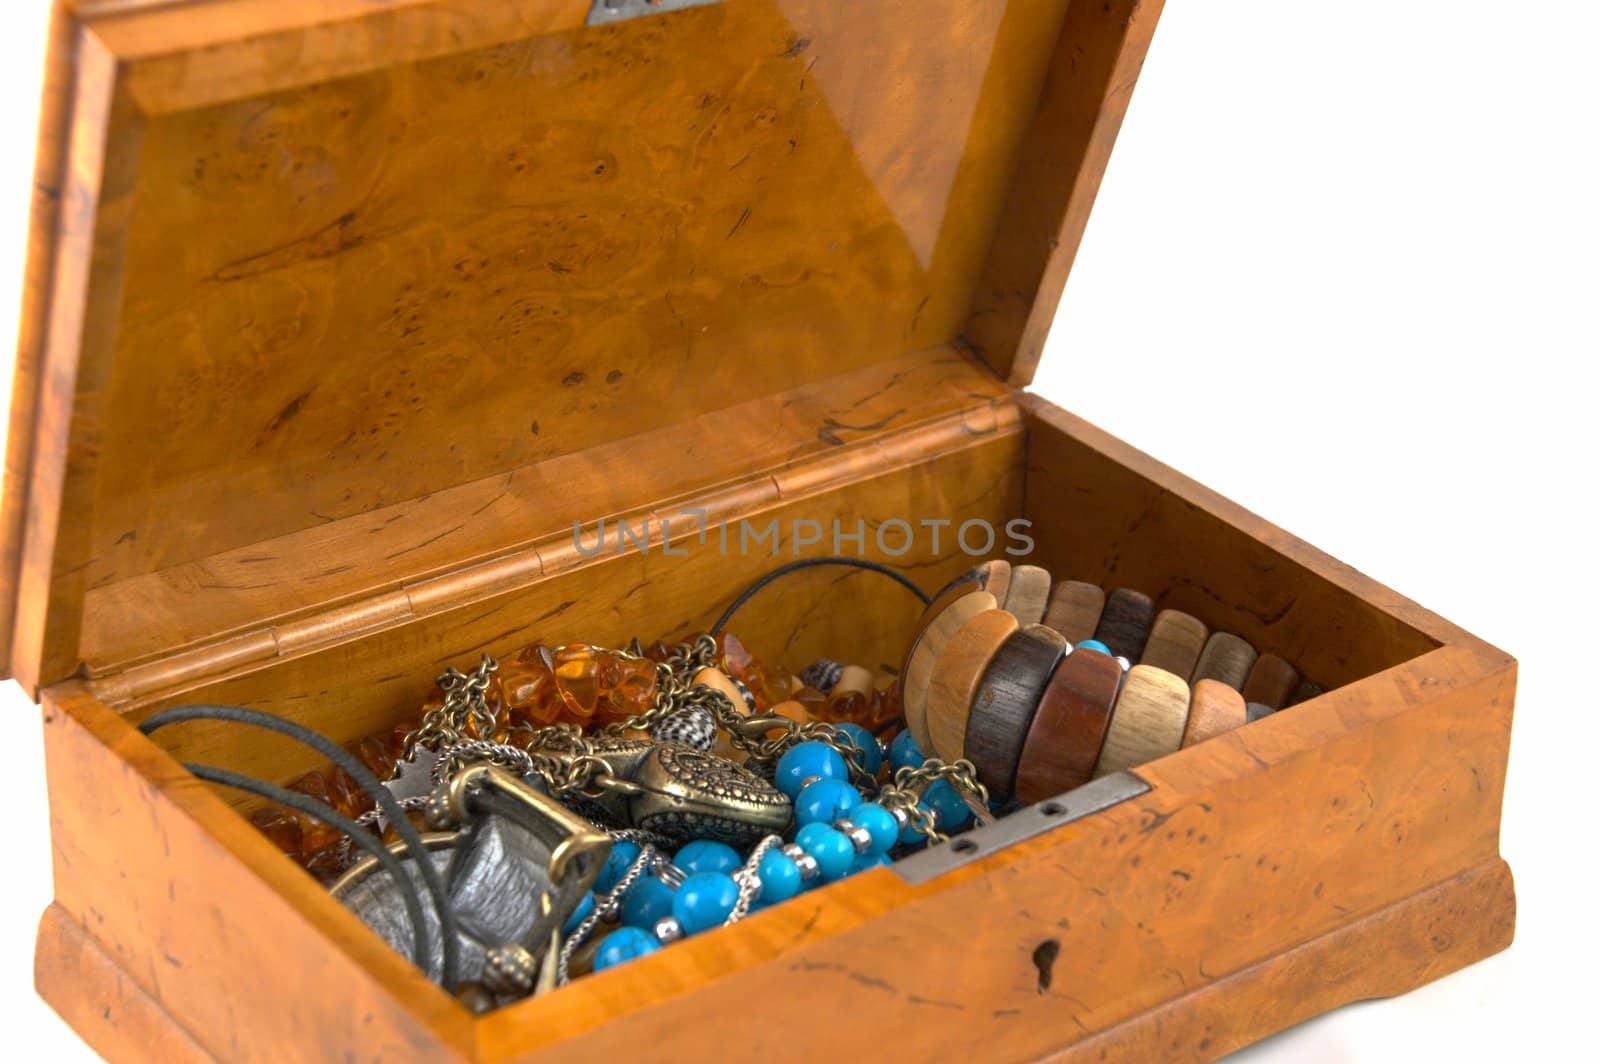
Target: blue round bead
x=780 y=877
x=624 y=944
x=830 y=847
x=865 y=861
x=704 y=901
x=904 y=752
x=623 y=854
x=1095 y=644
x=581 y=913
x=804 y=761
x=648 y=901
x=704 y=855
x=871 y=756
x=946 y=805
x=880 y=824
x=824 y=801
x=909 y=835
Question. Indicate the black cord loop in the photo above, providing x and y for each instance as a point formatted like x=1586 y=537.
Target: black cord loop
x=381 y=796
x=807 y=563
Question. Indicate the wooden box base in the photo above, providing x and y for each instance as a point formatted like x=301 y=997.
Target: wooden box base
x=1344 y=849
x=1397 y=949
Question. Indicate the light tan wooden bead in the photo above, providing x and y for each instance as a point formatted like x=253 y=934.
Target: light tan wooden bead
x=1148 y=721
x=852 y=678
x=956 y=676
x=1176 y=640
x=919 y=670
x=718 y=680
x=1028 y=594
x=997 y=578
x=1214 y=708
x=1074 y=610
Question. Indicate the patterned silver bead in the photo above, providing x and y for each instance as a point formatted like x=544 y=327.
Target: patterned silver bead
x=668 y=930
x=859 y=837
x=809 y=869
x=744 y=692
x=691 y=726
x=822 y=674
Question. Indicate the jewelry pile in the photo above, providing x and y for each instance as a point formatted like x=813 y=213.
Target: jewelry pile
x=575 y=807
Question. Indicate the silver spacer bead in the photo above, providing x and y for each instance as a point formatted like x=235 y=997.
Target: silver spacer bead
x=809 y=869
x=1124 y=662
x=859 y=837
x=902 y=819
x=671 y=874
x=668 y=930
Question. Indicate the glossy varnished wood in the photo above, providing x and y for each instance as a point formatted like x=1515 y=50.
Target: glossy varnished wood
x=1422 y=760
x=664 y=217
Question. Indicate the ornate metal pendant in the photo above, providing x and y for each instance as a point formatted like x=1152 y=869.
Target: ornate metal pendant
x=683 y=794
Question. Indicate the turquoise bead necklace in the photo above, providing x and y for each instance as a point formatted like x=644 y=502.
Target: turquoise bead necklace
x=837 y=833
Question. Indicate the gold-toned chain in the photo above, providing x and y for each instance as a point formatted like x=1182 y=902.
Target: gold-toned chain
x=464 y=710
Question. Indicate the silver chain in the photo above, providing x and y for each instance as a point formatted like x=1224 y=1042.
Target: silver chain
x=749 y=879
x=603 y=903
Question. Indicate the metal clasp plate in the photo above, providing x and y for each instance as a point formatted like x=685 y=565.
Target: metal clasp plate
x=1025 y=823
x=603 y=12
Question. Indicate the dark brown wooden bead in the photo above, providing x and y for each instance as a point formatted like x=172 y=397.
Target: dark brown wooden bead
x=1125 y=623
x=1008 y=696
x=1214 y=708
x=1227 y=659
x=1272 y=681
x=1305 y=692
x=1175 y=643
x=1074 y=610
x=1028 y=594
x=1069 y=728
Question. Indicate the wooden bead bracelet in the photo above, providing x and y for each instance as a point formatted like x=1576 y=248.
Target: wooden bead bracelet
x=1005 y=672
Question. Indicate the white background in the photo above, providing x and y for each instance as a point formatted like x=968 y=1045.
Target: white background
x=1343 y=270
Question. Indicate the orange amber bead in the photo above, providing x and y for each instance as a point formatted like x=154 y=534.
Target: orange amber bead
x=348 y=796
x=317 y=834
x=282 y=828
x=374 y=753
x=768 y=686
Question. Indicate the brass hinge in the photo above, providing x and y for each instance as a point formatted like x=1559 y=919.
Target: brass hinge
x=605 y=12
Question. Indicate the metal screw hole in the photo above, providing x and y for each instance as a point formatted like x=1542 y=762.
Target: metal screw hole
x=1052 y=809
x=964 y=846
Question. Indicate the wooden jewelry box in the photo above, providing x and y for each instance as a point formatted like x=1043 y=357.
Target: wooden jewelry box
x=341 y=314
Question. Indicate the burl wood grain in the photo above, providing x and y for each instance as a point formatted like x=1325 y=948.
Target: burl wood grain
x=470 y=213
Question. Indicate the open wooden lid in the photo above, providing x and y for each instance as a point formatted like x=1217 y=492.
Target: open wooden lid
x=328 y=296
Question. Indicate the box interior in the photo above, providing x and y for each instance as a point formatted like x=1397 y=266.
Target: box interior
x=1092 y=518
